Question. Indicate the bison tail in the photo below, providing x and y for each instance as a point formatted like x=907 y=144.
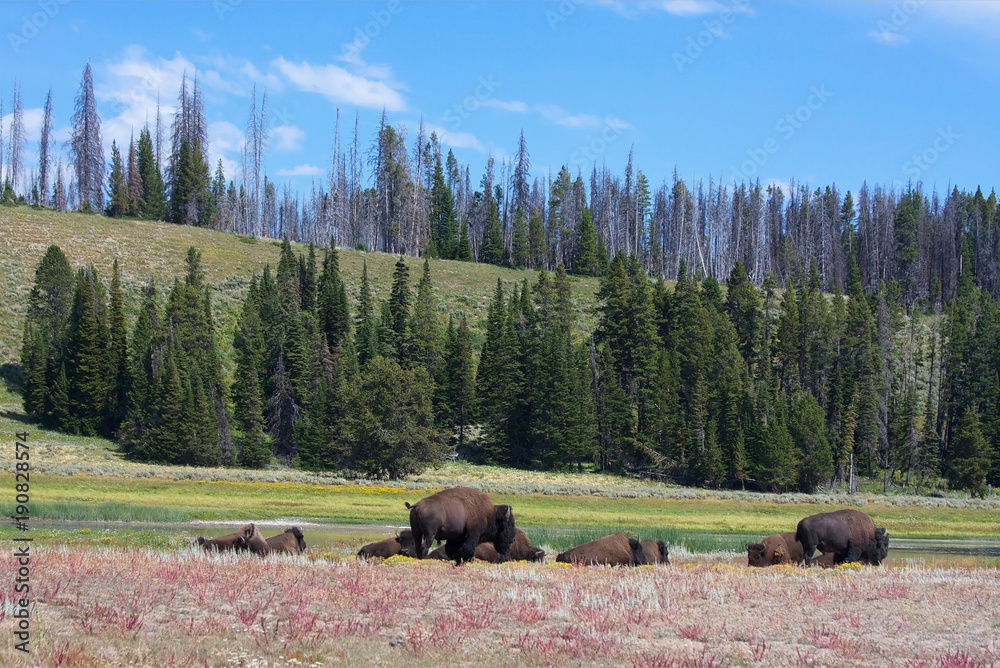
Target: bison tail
x=407 y=504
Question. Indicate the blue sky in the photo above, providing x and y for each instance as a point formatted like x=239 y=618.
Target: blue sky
x=817 y=92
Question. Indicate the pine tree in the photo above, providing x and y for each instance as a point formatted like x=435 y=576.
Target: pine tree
x=521 y=250
x=464 y=253
x=85 y=147
x=366 y=340
x=133 y=179
x=538 y=248
x=744 y=308
x=969 y=455
x=46 y=329
x=491 y=251
x=808 y=430
x=334 y=319
x=117 y=400
x=444 y=239
x=459 y=383
x=397 y=328
x=45 y=145
x=425 y=335
x=153 y=205
x=585 y=260
x=88 y=367
x=118 y=201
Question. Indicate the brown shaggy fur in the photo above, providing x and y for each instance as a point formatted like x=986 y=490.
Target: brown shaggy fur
x=290 y=541
x=464 y=518
x=655 y=552
x=521 y=550
x=390 y=547
x=781 y=548
x=614 y=550
x=247 y=538
x=848 y=534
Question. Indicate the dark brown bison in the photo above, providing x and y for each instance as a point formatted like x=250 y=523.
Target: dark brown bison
x=290 y=541
x=848 y=534
x=462 y=517
x=521 y=550
x=401 y=543
x=881 y=548
x=614 y=550
x=655 y=552
x=247 y=538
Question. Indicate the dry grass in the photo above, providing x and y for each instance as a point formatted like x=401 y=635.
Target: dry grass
x=141 y=608
x=146 y=249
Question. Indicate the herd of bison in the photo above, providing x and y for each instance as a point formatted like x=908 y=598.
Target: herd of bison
x=473 y=528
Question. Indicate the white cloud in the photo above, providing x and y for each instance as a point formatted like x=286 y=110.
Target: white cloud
x=512 y=105
x=888 y=37
x=981 y=17
x=287 y=138
x=455 y=139
x=300 y=170
x=683 y=8
x=338 y=85
x=224 y=140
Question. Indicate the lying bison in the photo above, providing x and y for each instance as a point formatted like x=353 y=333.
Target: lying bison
x=290 y=541
x=655 y=552
x=614 y=550
x=521 y=550
x=402 y=543
x=462 y=517
x=849 y=534
x=247 y=538
x=781 y=548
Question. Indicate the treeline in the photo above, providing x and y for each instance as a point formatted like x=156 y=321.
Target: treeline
x=411 y=197
x=740 y=388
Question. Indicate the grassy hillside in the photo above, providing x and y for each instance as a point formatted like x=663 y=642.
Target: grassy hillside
x=145 y=249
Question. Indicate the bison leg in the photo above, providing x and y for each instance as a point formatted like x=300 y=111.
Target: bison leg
x=465 y=550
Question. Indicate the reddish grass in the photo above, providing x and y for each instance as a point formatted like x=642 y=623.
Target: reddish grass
x=138 y=608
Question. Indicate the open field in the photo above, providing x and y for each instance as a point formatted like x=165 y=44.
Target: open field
x=146 y=249
x=140 y=608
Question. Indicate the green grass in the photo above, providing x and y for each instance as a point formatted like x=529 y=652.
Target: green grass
x=146 y=249
x=104 y=512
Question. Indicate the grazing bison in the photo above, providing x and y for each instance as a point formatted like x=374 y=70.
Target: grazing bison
x=655 y=552
x=247 y=538
x=521 y=550
x=291 y=541
x=880 y=550
x=402 y=543
x=614 y=550
x=462 y=517
x=848 y=534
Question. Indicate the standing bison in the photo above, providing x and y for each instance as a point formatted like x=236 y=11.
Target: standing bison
x=290 y=542
x=247 y=538
x=462 y=517
x=614 y=550
x=402 y=543
x=850 y=535
x=521 y=550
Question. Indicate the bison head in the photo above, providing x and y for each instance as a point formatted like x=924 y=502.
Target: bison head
x=664 y=552
x=506 y=532
x=757 y=555
x=880 y=549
